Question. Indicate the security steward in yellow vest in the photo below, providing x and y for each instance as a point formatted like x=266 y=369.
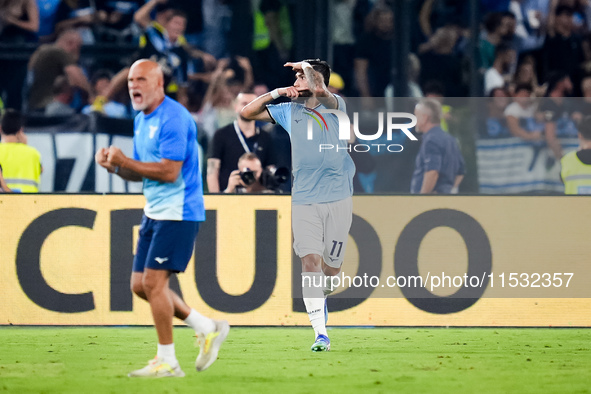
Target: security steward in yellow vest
x=20 y=163
x=576 y=165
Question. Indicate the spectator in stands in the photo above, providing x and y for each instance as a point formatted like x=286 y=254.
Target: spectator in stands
x=80 y=15
x=163 y=42
x=100 y=82
x=496 y=123
x=558 y=112
x=531 y=22
x=241 y=182
x=117 y=20
x=510 y=37
x=562 y=51
x=62 y=97
x=230 y=78
x=435 y=14
x=434 y=90
x=579 y=10
x=439 y=62
x=272 y=42
x=576 y=165
x=19 y=22
x=232 y=141
x=194 y=33
x=47 y=14
x=495 y=27
x=49 y=62
x=439 y=166
x=498 y=75
x=172 y=22
x=20 y=163
x=373 y=57
x=521 y=115
x=526 y=75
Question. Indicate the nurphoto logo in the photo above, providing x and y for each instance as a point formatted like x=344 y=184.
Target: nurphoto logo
x=345 y=129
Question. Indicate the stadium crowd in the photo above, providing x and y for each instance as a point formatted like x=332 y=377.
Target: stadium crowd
x=527 y=49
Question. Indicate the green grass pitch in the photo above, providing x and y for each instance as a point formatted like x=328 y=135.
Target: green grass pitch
x=278 y=360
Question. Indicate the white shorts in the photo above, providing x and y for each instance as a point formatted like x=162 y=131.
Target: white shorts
x=322 y=229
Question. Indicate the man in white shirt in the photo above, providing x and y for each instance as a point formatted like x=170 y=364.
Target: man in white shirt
x=494 y=76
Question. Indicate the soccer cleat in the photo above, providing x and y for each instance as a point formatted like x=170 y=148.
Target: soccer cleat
x=209 y=345
x=322 y=344
x=157 y=368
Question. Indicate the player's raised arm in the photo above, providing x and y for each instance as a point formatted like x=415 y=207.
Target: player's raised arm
x=257 y=108
x=316 y=84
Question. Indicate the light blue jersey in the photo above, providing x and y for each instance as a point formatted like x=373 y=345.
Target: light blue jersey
x=170 y=133
x=319 y=176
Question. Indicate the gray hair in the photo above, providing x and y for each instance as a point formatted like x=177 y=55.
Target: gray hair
x=433 y=107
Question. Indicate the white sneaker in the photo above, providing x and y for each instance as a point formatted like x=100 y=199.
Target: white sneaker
x=209 y=345
x=157 y=368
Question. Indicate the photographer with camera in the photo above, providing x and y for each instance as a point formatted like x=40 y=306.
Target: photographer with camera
x=232 y=141
x=251 y=178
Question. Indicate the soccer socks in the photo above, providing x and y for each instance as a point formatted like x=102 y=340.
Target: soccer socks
x=314 y=300
x=199 y=323
x=166 y=352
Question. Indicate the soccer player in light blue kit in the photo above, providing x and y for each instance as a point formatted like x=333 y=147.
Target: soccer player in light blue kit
x=323 y=182
x=166 y=159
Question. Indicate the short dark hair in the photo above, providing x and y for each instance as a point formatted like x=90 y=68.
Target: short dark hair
x=502 y=49
x=494 y=90
x=524 y=86
x=492 y=21
x=554 y=78
x=178 y=12
x=100 y=74
x=564 y=9
x=585 y=128
x=161 y=7
x=508 y=14
x=322 y=67
x=434 y=86
x=12 y=121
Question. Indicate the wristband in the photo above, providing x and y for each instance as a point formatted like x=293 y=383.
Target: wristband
x=275 y=94
x=116 y=171
x=306 y=65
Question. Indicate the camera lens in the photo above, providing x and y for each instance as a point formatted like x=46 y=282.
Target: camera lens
x=248 y=177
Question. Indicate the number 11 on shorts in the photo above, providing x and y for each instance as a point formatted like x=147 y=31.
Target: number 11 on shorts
x=334 y=246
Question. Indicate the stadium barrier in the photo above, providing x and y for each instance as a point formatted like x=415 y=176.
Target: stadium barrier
x=67 y=145
x=66 y=259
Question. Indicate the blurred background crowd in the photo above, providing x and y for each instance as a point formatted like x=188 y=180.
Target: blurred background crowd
x=67 y=57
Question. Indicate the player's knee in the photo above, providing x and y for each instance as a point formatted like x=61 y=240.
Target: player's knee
x=331 y=271
x=137 y=287
x=151 y=283
x=311 y=263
